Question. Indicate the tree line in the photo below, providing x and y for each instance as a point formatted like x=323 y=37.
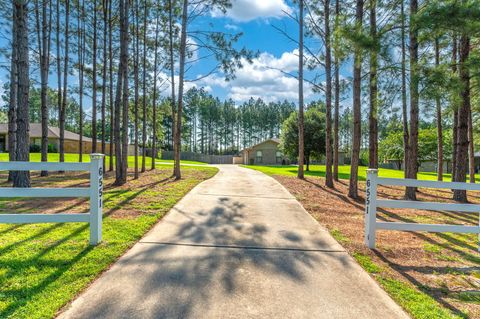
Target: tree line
x=212 y=126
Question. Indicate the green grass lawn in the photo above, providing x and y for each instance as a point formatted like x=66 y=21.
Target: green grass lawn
x=54 y=157
x=44 y=266
x=344 y=172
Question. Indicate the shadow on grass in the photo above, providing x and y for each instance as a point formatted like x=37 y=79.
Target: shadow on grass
x=437 y=293
x=446 y=236
x=357 y=203
x=18 y=267
x=450 y=244
x=132 y=196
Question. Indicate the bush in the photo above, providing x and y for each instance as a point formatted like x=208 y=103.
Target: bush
x=34 y=148
x=52 y=148
x=364 y=158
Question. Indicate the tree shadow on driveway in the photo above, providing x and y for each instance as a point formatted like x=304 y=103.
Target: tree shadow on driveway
x=215 y=257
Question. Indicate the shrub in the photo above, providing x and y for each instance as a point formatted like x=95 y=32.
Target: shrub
x=34 y=148
x=52 y=148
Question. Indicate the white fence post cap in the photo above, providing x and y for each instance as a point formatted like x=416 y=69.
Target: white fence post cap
x=96 y=156
x=372 y=170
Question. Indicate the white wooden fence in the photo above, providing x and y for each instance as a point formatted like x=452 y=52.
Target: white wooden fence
x=372 y=203
x=94 y=192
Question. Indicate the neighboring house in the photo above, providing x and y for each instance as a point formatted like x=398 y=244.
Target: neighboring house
x=265 y=153
x=424 y=166
x=72 y=140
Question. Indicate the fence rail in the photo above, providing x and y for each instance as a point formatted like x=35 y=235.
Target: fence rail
x=372 y=203
x=94 y=192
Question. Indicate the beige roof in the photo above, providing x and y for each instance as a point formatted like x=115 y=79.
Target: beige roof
x=274 y=140
x=53 y=132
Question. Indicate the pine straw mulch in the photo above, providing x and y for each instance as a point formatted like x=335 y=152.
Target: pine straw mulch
x=444 y=265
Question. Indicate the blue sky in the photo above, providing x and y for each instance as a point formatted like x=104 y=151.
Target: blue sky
x=261 y=79
x=256 y=20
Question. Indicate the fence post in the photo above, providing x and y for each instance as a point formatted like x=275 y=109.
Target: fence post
x=96 y=198
x=371 y=207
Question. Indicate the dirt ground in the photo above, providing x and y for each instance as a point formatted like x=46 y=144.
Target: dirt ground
x=446 y=266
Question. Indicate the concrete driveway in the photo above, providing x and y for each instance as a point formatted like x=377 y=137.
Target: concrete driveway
x=238 y=246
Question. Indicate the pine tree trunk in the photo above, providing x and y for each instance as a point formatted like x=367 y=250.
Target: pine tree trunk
x=372 y=119
x=81 y=67
x=357 y=82
x=471 y=148
x=121 y=99
x=412 y=158
x=94 y=79
x=154 y=102
x=119 y=178
x=328 y=97
x=125 y=100
x=12 y=105
x=454 y=140
x=336 y=143
x=181 y=79
x=110 y=86
x=43 y=39
x=22 y=178
x=406 y=143
x=439 y=121
x=172 y=72
x=463 y=114
x=301 y=128
x=144 y=87
x=59 y=76
x=136 y=83
x=455 y=111
x=63 y=108
x=104 y=77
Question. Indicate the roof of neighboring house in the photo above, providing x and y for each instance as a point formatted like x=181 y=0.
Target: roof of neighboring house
x=274 y=140
x=53 y=132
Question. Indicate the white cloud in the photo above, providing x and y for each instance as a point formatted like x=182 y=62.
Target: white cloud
x=247 y=10
x=233 y=27
x=265 y=78
x=164 y=84
x=287 y=62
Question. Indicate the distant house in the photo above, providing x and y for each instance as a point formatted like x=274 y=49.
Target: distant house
x=423 y=166
x=72 y=140
x=264 y=153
